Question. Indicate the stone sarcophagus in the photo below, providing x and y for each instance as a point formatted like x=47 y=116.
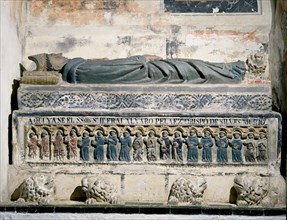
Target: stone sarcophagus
x=158 y=143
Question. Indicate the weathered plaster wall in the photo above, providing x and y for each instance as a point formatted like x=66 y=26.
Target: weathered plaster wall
x=11 y=55
x=114 y=28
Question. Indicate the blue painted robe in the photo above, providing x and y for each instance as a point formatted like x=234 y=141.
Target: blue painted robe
x=207 y=143
x=112 y=148
x=99 y=152
x=179 y=148
x=222 y=144
x=85 y=149
x=192 y=145
x=236 y=145
x=126 y=144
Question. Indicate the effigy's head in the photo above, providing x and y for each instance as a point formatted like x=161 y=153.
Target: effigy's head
x=49 y=62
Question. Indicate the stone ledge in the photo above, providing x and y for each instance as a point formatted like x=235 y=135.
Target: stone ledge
x=144 y=209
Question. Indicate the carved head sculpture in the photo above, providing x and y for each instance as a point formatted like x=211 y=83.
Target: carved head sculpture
x=192 y=132
x=151 y=134
x=250 y=135
x=32 y=134
x=138 y=134
x=237 y=134
x=99 y=133
x=85 y=133
x=222 y=134
x=262 y=134
x=126 y=134
x=164 y=133
x=44 y=134
x=176 y=134
x=59 y=132
x=73 y=132
x=113 y=133
x=207 y=133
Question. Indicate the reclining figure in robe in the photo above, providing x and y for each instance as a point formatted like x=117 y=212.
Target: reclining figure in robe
x=140 y=69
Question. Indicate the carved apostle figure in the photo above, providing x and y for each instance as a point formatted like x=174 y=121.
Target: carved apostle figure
x=99 y=144
x=138 y=147
x=151 y=146
x=85 y=146
x=207 y=144
x=165 y=145
x=177 y=146
x=221 y=143
x=32 y=145
x=59 y=151
x=236 y=145
x=250 y=149
x=192 y=146
x=73 y=145
x=44 y=145
x=112 y=146
x=126 y=145
x=262 y=147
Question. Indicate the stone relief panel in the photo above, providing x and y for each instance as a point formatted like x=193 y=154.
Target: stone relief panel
x=99 y=191
x=37 y=188
x=187 y=190
x=135 y=140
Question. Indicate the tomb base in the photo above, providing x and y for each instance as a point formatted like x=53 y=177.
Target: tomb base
x=176 y=145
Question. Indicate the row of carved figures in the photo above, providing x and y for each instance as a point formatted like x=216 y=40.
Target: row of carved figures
x=170 y=146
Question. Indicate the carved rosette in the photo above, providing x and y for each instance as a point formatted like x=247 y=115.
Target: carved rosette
x=251 y=189
x=99 y=190
x=187 y=190
x=37 y=188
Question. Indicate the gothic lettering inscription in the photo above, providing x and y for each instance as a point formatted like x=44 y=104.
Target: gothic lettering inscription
x=53 y=120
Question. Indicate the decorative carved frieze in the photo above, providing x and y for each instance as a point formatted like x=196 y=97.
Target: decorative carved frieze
x=130 y=98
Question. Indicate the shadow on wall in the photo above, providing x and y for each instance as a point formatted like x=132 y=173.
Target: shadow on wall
x=14 y=106
x=78 y=195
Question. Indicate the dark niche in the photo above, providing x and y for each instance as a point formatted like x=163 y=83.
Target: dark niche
x=215 y=6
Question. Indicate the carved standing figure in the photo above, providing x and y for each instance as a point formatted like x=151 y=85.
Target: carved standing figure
x=73 y=145
x=59 y=151
x=44 y=145
x=165 y=145
x=138 y=147
x=112 y=146
x=222 y=144
x=236 y=145
x=85 y=146
x=177 y=146
x=126 y=145
x=151 y=146
x=250 y=150
x=32 y=145
x=262 y=147
x=207 y=144
x=192 y=146
x=140 y=69
x=99 y=144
